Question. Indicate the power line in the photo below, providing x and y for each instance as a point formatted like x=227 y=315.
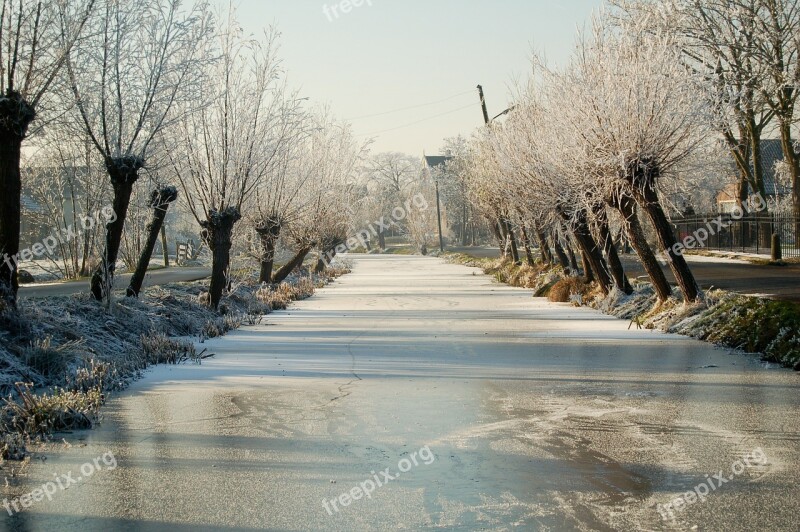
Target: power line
x=411 y=107
x=417 y=122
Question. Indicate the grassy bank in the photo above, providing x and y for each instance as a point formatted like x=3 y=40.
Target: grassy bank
x=756 y=325
x=60 y=356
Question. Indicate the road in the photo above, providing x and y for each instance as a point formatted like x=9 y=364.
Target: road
x=776 y=282
x=153 y=278
x=456 y=403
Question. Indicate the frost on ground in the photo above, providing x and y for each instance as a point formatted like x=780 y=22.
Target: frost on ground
x=60 y=355
x=751 y=324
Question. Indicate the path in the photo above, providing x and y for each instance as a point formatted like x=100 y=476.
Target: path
x=538 y=416
x=777 y=282
x=153 y=278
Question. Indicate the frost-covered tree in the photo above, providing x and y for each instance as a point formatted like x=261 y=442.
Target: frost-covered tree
x=638 y=114
x=333 y=157
x=66 y=182
x=279 y=198
x=716 y=40
x=617 y=131
x=139 y=59
x=35 y=39
x=221 y=153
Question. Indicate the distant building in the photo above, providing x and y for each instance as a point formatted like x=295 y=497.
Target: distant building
x=28 y=230
x=64 y=183
x=436 y=161
x=771 y=153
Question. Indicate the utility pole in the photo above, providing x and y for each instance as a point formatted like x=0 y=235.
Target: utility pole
x=439 y=216
x=483 y=105
x=504 y=221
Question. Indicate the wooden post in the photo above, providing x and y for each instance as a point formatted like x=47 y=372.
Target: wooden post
x=164 y=248
x=777 y=252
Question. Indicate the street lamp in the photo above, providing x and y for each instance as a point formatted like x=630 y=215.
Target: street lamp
x=486 y=118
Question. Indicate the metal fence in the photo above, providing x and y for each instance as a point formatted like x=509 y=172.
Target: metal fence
x=752 y=233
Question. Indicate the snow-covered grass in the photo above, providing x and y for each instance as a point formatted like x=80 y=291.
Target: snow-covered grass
x=757 y=325
x=752 y=324
x=60 y=355
x=540 y=278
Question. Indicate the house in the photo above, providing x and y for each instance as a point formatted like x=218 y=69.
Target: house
x=61 y=184
x=771 y=153
x=433 y=162
x=29 y=231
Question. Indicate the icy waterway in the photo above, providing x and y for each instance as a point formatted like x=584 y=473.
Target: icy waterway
x=537 y=416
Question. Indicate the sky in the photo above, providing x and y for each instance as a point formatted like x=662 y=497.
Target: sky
x=425 y=57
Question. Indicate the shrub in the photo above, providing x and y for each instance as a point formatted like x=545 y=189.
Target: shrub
x=49 y=360
x=563 y=290
x=160 y=349
x=278 y=297
x=37 y=416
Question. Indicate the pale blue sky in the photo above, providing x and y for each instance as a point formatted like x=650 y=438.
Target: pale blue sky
x=399 y=53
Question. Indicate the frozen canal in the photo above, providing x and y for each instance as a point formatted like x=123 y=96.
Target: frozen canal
x=413 y=394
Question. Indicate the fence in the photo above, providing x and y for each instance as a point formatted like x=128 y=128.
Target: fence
x=186 y=251
x=750 y=234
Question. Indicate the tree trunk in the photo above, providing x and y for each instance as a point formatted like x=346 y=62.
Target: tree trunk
x=588 y=273
x=677 y=263
x=544 y=249
x=526 y=243
x=643 y=180
x=329 y=243
x=588 y=245
x=159 y=200
x=610 y=250
x=267 y=260
x=500 y=233
x=289 y=267
x=218 y=235
x=84 y=271
x=382 y=239
x=164 y=246
x=464 y=224
x=268 y=231
x=15 y=117
x=324 y=260
x=573 y=261
x=755 y=147
x=124 y=172
x=10 y=220
x=742 y=191
x=627 y=207
x=793 y=160
x=513 y=241
x=562 y=257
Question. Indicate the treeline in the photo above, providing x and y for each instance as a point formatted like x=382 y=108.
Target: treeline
x=657 y=99
x=142 y=104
